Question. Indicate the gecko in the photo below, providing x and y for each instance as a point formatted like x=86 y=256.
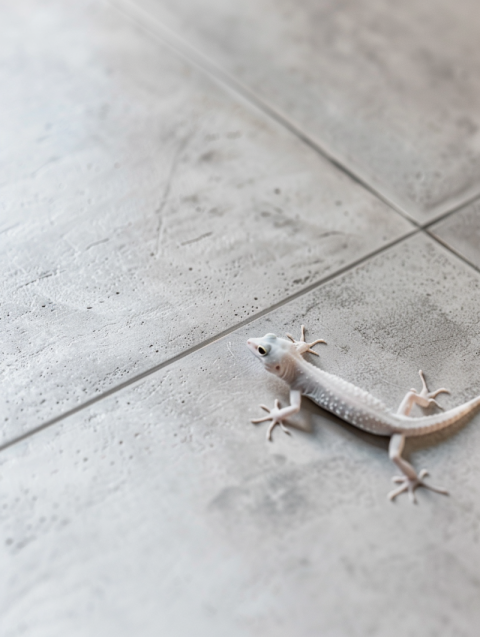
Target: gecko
x=284 y=358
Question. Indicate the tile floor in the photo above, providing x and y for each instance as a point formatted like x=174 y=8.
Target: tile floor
x=176 y=177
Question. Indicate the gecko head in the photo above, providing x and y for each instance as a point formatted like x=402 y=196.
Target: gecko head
x=271 y=351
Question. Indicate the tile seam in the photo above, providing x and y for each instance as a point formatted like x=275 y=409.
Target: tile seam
x=212 y=70
x=449 y=213
x=195 y=57
x=192 y=350
x=450 y=249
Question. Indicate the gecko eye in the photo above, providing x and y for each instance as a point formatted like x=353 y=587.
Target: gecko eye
x=262 y=351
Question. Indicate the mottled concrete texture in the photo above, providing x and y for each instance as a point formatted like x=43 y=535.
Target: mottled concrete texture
x=144 y=210
x=391 y=89
x=162 y=510
x=153 y=216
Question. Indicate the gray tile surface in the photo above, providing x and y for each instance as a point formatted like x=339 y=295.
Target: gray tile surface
x=461 y=232
x=390 y=89
x=143 y=209
x=161 y=510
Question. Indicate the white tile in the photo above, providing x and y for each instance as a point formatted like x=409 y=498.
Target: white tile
x=392 y=90
x=162 y=510
x=144 y=209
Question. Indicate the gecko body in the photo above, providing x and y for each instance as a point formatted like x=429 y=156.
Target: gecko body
x=354 y=405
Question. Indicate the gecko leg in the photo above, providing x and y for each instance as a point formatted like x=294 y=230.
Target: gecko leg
x=423 y=399
x=278 y=414
x=409 y=481
x=302 y=346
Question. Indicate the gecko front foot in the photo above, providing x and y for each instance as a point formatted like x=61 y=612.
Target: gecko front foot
x=276 y=415
x=411 y=484
x=304 y=347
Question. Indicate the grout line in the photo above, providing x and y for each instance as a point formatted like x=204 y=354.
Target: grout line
x=185 y=51
x=447 y=214
x=427 y=228
x=199 y=60
x=452 y=250
x=191 y=350
x=195 y=57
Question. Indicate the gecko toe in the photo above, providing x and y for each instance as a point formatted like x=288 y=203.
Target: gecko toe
x=435 y=489
x=410 y=485
x=393 y=494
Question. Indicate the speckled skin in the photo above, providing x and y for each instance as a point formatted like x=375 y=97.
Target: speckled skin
x=363 y=410
x=343 y=399
x=354 y=405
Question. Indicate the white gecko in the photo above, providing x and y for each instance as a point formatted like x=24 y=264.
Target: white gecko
x=354 y=405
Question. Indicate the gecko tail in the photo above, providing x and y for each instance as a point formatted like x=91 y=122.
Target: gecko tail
x=430 y=424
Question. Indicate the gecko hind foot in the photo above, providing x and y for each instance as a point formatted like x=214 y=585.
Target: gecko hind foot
x=424 y=398
x=430 y=395
x=410 y=485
